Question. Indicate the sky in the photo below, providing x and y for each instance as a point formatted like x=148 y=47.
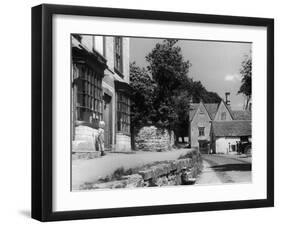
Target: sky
x=215 y=64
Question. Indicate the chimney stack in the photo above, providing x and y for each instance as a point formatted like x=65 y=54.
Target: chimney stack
x=227 y=101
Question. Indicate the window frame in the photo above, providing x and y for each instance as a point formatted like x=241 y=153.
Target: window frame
x=88 y=93
x=123 y=119
x=200 y=130
x=118 y=55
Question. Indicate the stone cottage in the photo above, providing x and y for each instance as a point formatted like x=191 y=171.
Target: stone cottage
x=226 y=135
x=206 y=118
x=100 y=92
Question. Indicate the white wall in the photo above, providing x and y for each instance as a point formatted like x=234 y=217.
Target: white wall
x=109 y=52
x=222 y=144
x=15 y=115
x=99 y=44
x=126 y=57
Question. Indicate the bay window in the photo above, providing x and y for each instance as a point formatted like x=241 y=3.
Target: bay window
x=88 y=93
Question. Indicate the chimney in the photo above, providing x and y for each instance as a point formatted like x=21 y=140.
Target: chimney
x=227 y=101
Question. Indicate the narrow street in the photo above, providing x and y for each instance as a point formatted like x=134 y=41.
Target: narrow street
x=218 y=169
x=93 y=169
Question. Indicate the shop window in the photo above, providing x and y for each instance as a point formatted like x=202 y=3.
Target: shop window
x=123 y=113
x=88 y=93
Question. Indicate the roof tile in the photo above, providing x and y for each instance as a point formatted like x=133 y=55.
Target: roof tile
x=234 y=128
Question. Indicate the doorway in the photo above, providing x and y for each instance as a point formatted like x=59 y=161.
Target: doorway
x=107 y=117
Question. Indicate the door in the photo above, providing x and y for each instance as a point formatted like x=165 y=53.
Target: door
x=107 y=117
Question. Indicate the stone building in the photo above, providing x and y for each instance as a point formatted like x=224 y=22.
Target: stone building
x=214 y=127
x=100 y=92
x=226 y=135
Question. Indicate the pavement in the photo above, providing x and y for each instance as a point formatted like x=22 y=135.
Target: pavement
x=91 y=170
x=219 y=169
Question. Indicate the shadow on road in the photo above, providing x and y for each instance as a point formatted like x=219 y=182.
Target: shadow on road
x=232 y=167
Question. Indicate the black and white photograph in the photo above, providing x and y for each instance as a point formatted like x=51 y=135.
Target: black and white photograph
x=142 y=112
x=154 y=112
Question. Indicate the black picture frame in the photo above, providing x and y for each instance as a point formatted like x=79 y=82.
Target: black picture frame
x=42 y=111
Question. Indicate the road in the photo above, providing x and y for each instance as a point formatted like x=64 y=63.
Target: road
x=218 y=169
x=93 y=169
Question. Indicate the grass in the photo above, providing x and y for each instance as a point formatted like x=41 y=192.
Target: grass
x=120 y=172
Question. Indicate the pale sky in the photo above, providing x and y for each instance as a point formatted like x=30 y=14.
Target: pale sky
x=215 y=64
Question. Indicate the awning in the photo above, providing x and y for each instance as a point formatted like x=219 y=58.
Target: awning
x=123 y=87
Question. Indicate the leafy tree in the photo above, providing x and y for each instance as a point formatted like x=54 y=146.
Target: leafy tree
x=169 y=71
x=199 y=93
x=162 y=93
x=246 y=73
x=143 y=88
x=166 y=65
x=181 y=106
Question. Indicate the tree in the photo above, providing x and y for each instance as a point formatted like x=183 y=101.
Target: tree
x=166 y=65
x=181 y=105
x=246 y=73
x=142 y=96
x=199 y=93
x=161 y=93
x=169 y=71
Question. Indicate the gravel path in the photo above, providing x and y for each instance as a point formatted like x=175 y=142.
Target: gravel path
x=93 y=169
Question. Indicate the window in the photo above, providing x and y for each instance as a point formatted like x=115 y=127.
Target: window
x=201 y=131
x=123 y=113
x=223 y=116
x=88 y=93
x=118 y=54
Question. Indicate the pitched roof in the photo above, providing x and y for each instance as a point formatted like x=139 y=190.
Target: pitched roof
x=212 y=109
x=227 y=107
x=242 y=115
x=192 y=110
x=234 y=128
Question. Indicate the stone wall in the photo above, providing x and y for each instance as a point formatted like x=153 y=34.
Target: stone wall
x=222 y=108
x=123 y=143
x=200 y=120
x=177 y=172
x=83 y=145
x=151 y=138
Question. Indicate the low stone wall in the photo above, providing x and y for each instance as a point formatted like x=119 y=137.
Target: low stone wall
x=84 y=143
x=151 y=138
x=123 y=143
x=177 y=172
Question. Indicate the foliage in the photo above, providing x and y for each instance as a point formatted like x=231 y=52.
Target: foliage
x=199 y=93
x=167 y=67
x=143 y=88
x=169 y=71
x=246 y=73
x=162 y=93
